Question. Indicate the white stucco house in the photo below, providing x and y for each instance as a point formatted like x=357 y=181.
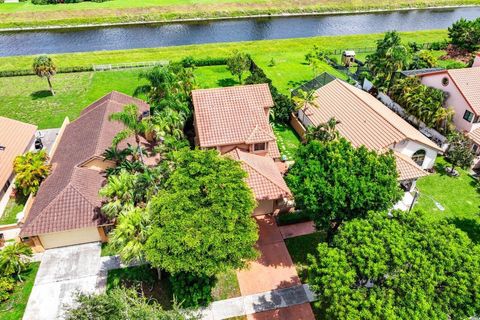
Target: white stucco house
x=363 y=120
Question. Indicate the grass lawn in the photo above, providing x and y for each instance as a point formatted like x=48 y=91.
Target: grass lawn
x=13 y=308
x=27 y=14
x=287 y=139
x=14 y=207
x=300 y=247
x=226 y=287
x=457 y=195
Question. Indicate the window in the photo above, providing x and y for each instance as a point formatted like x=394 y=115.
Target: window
x=468 y=116
x=259 y=146
x=445 y=81
x=418 y=157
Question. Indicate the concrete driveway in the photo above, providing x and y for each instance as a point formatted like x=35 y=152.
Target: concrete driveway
x=62 y=273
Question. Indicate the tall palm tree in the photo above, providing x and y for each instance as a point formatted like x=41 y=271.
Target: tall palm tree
x=324 y=132
x=304 y=100
x=44 y=67
x=119 y=191
x=161 y=81
x=30 y=170
x=14 y=259
x=134 y=126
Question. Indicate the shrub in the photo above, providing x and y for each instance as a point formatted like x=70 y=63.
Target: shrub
x=7 y=285
x=192 y=290
x=292 y=218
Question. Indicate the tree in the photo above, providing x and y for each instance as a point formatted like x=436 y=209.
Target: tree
x=120 y=304
x=423 y=59
x=134 y=126
x=201 y=220
x=30 y=170
x=44 y=67
x=397 y=266
x=465 y=34
x=14 y=259
x=238 y=63
x=335 y=182
x=459 y=152
x=303 y=100
x=390 y=57
x=324 y=132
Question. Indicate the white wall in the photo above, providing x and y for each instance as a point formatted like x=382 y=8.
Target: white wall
x=264 y=207
x=455 y=99
x=409 y=147
x=69 y=238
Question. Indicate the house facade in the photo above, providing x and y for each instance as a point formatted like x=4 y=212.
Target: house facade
x=235 y=121
x=365 y=121
x=66 y=209
x=16 y=138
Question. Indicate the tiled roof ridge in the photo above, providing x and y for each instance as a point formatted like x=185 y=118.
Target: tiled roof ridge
x=257 y=128
x=100 y=131
x=259 y=172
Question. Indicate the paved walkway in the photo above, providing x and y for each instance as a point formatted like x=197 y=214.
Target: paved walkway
x=297 y=229
x=62 y=273
x=274 y=269
x=281 y=302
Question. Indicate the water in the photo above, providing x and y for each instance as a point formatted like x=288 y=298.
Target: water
x=174 y=34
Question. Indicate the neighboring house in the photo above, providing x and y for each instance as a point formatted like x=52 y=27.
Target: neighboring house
x=363 y=120
x=235 y=121
x=16 y=138
x=66 y=209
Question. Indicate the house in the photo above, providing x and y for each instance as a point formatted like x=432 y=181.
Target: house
x=463 y=95
x=16 y=138
x=363 y=120
x=66 y=209
x=235 y=121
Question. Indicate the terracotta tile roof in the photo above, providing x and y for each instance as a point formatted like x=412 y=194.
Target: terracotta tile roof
x=363 y=119
x=475 y=136
x=264 y=176
x=16 y=137
x=233 y=115
x=68 y=199
x=407 y=168
x=467 y=81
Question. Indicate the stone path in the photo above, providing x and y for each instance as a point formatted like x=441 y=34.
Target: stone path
x=297 y=229
x=261 y=302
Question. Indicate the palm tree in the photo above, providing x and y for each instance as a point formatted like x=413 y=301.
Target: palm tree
x=14 y=259
x=160 y=83
x=45 y=68
x=134 y=126
x=30 y=170
x=303 y=100
x=324 y=132
x=119 y=191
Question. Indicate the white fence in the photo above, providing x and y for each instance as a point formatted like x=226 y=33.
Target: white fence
x=128 y=65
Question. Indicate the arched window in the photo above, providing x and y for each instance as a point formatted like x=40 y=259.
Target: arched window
x=419 y=157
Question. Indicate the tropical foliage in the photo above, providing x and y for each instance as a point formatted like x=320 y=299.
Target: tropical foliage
x=423 y=102
x=44 y=67
x=324 y=132
x=423 y=59
x=397 y=266
x=14 y=259
x=304 y=100
x=120 y=304
x=335 y=182
x=192 y=290
x=465 y=34
x=30 y=170
x=459 y=152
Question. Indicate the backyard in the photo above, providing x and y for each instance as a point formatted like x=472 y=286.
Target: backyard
x=14 y=207
x=27 y=14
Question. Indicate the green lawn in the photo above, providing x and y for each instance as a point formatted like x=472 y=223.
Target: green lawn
x=226 y=287
x=300 y=247
x=287 y=139
x=13 y=308
x=457 y=195
x=14 y=207
x=27 y=14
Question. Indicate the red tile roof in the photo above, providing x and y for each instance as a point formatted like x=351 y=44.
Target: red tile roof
x=68 y=199
x=407 y=168
x=264 y=176
x=233 y=115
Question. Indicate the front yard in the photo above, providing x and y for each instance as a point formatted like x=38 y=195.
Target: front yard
x=457 y=195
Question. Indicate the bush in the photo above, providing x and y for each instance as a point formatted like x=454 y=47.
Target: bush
x=465 y=34
x=189 y=62
x=7 y=285
x=439 y=45
x=192 y=290
x=292 y=218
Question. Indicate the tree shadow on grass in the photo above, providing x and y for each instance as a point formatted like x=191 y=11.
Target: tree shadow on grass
x=469 y=226
x=40 y=94
x=227 y=82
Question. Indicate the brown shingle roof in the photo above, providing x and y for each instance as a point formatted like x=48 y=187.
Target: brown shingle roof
x=264 y=176
x=68 y=199
x=16 y=137
x=363 y=119
x=233 y=115
x=407 y=169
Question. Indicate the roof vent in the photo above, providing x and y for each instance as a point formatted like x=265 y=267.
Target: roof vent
x=2 y=148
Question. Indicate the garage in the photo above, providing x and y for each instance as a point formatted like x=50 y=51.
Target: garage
x=70 y=237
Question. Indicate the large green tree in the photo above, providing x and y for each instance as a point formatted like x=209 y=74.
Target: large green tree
x=201 y=221
x=335 y=182
x=465 y=34
x=460 y=153
x=397 y=266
